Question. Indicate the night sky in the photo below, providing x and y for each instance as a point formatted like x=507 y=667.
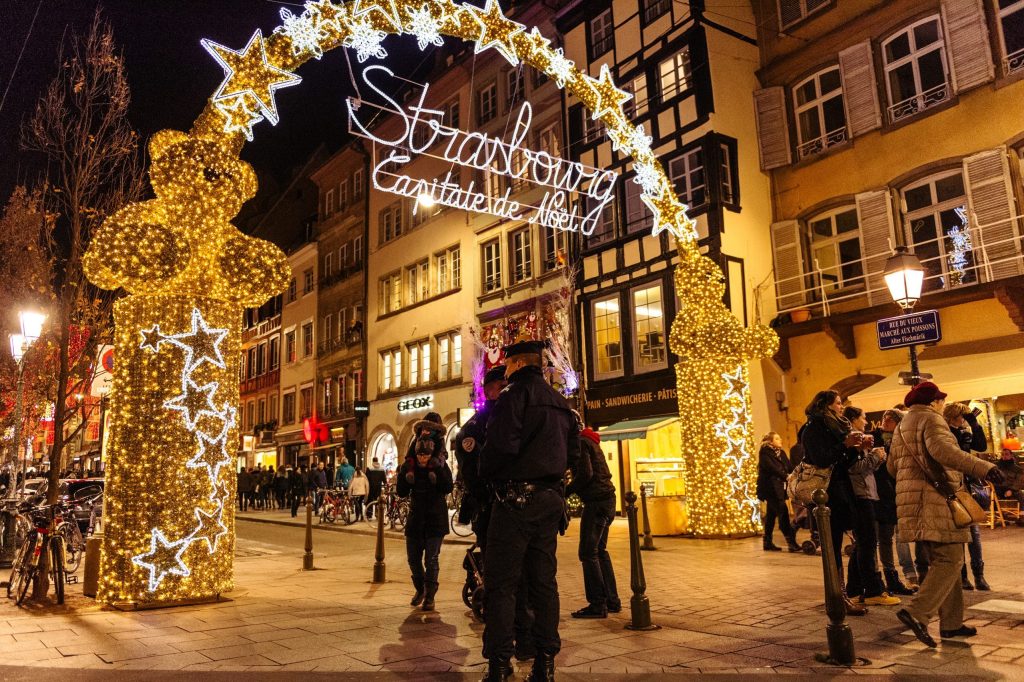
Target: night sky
x=171 y=75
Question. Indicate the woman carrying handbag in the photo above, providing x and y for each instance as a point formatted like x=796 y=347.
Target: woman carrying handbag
x=929 y=466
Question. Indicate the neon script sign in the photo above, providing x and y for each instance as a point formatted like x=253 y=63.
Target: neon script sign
x=420 y=129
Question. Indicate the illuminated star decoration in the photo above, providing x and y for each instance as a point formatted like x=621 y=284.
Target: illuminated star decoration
x=609 y=98
x=326 y=16
x=303 y=31
x=637 y=140
x=238 y=116
x=365 y=40
x=201 y=344
x=210 y=528
x=194 y=402
x=737 y=385
x=426 y=27
x=538 y=43
x=560 y=68
x=734 y=432
x=384 y=8
x=960 y=243
x=152 y=338
x=669 y=215
x=496 y=30
x=249 y=73
x=212 y=452
x=163 y=558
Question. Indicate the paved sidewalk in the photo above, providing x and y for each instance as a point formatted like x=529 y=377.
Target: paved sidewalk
x=725 y=608
x=284 y=518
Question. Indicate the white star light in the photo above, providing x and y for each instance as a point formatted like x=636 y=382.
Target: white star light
x=213 y=452
x=491 y=35
x=194 y=402
x=201 y=344
x=560 y=68
x=303 y=31
x=163 y=558
x=648 y=177
x=252 y=58
x=366 y=40
x=426 y=27
x=210 y=528
x=238 y=116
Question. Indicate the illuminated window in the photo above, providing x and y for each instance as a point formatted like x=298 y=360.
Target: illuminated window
x=687 y=174
x=414 y=365
x=449 y=356
x=637 y=106
x=915 y=69
x=522 y=255
x=491 y=255
x=674 y=74
x=820 y=117
x=607 y=338
x=835 y=248
x=649 y=322
x=554 y=248
x=934 y=210
x=425 y=362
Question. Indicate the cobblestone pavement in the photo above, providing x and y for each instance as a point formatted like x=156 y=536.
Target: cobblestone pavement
x=726 y=609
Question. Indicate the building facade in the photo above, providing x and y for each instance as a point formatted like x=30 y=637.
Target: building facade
x=885 y=124
x=341 y=301
x=260 y=384
x=690 y=68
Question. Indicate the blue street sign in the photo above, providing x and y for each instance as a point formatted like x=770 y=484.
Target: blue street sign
x=909 y=330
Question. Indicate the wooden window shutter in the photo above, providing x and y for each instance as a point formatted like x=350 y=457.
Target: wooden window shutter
x=970 y=55
x=874 y=215
x=772 y=129
x=790 y=291
x=990 y=204
x=860 y=93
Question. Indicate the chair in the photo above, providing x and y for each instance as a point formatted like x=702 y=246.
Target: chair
x=1001 y=508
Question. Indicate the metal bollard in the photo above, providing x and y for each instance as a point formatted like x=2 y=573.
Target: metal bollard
x=307 y=558
x=648 y=540
x=840 y=636
x=639 y=606
x=379 y=568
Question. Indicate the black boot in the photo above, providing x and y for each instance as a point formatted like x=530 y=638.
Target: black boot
x=430 y=589
x=964 y=582
x=979 y=577
x=543 y=668
x=894 y=585
x=497 y=671
x=418 y=597
x=768 y=546
x=792 y=545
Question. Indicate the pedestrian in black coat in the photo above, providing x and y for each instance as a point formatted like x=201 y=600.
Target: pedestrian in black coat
x=426 y=486
x=772 y=469
x=298 y=488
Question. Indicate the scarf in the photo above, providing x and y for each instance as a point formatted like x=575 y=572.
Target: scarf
x=837 y=424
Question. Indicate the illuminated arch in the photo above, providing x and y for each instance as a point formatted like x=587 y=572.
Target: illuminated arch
x=171 y=539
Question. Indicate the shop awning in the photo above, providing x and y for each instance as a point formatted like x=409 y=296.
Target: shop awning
x=965 y=377
x=633 y=428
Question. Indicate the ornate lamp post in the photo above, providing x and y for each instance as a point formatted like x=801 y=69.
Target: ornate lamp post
x=904 y=276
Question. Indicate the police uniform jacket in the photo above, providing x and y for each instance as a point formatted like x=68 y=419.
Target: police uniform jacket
x=531 y=434
x=468 y=443
x=428 y=509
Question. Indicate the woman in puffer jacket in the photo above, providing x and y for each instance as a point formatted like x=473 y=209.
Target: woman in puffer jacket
x=924 y=516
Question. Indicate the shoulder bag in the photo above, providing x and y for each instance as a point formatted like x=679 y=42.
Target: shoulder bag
x=805 y=479
x=964 y=509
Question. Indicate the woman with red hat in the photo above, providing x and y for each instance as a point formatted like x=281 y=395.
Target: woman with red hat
x=923 y=442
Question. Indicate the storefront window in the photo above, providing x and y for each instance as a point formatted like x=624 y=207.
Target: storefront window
x=607 y=338
x=649 y=320
x=384 y=450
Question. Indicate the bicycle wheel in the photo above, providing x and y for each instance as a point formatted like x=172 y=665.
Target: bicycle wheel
x=73 y=548
x=401 y=513
x=16 y=569
x=463 y=531
x=24 y=581
x=57 y=560
x=346 y=514
x=370 y=513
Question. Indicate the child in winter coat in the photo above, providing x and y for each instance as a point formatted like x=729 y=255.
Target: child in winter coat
x=428 y=438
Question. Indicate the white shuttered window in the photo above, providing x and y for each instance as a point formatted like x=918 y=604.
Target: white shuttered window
x=874 y=215
x=860 y=94
x=992 y=213
x=789 y=264
x=967 y=37
x=772 y=131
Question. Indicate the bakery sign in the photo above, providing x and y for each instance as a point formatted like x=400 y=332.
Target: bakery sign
x=632 y=400
x=423 y=402
x=421 y=133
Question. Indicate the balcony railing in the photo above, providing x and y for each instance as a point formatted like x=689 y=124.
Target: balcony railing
x=352 y=338
x=264 y=327
x=918 y=103
x=816 y=290
x=1013 y=62
x=258 y=383
x=820 y=144
x=340 y=275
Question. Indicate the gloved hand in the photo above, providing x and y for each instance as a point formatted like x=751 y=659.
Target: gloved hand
x=996 y=476
x=410 y=477
x=433 y=478
x=971 y=418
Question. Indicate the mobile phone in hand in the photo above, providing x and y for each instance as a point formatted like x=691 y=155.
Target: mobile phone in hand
x=976 y=411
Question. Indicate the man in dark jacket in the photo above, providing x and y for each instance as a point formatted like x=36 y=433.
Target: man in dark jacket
x=375 y=477
x=885 y=511
x=299 y=488
x=469 y=441
x=532 y=439
x=245 y=488
x=592 y=482
x=970 y=436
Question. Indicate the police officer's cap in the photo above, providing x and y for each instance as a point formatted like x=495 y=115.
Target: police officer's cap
x=496 y=373
x=525 y=348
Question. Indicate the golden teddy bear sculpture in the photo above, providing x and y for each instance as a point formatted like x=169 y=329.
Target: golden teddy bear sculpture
x=712 y=390
x=189 y=274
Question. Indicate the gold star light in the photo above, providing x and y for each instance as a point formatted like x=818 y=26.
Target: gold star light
x=194 y=402
x=210 y=528
x=496 y=30
x=386 y=9
x=249 y=73
x=238 y=117
x=329 y=17
x=609 y=98
x=162 y=559
x=152 y=338
x=670 y=215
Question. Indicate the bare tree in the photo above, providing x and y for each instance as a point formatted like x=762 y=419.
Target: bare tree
x=93 y=167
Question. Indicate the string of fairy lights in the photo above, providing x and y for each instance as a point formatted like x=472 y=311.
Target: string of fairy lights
x=184 y=264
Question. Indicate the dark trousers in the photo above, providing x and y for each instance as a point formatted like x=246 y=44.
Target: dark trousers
x=775 y=508
x=862 y=576
x=280 y=499
x=296 y=501
x=357 y=506
x=423 y=554
x=522 y=542
x=598 y=574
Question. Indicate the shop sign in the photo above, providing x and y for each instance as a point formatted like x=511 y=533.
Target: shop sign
x=423 y=402
x=362 y=408
x=103 y=377
x=909 y=330
x=650 y=397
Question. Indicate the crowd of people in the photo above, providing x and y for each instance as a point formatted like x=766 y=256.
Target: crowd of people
x=891 y=489
x=263 y=489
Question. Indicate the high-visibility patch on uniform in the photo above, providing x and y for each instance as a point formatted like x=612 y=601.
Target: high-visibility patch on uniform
x=468 y=444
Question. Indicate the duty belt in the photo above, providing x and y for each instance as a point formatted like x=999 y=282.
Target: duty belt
x=518 y=494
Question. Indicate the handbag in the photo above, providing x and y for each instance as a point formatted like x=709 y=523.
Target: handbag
x=964 y=509
x=805 y=479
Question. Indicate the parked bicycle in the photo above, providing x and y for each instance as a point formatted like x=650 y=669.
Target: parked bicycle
x=394 y=508
x=43 y=541
x=456 y=498
x=337 y=504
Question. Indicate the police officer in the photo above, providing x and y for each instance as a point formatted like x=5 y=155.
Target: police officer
x=532 y=438
x=468 y=443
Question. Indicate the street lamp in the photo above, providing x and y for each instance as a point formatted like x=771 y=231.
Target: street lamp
x=904 y=276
